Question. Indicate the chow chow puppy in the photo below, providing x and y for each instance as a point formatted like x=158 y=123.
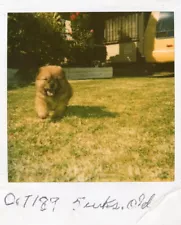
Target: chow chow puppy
x=53 y=92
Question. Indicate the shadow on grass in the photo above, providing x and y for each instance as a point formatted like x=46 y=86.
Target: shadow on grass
x=88 y=112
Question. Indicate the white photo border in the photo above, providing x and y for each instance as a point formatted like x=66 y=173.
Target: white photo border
x=54 y=6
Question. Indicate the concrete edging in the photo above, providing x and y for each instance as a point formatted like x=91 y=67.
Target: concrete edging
x=74 y=73
x=88 y=73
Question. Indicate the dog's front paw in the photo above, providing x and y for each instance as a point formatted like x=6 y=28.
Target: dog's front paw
x=42 y=115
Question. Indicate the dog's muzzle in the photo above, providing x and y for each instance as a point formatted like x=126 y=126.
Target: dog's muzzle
x=49 y=92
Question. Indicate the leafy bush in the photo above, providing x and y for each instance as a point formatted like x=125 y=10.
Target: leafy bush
x=83 y=50
x=87 y=57
x=35 y=39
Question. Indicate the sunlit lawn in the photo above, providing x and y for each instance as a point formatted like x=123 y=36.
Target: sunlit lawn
x=119 y=129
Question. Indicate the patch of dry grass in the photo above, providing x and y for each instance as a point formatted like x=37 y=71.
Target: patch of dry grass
x=115 y=130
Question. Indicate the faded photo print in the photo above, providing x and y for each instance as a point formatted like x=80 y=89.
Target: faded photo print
x=91 y=97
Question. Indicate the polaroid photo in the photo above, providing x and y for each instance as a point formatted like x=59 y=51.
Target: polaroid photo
x=91 y=114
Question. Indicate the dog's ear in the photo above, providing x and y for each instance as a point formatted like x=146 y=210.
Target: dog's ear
x=63 y=73
x=59 y=73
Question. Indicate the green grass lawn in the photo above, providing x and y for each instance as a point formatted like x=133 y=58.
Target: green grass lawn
x=119 y=129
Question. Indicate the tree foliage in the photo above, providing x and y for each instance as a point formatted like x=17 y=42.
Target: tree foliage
x=82 y=33
x=35 y=39
x=83 y=51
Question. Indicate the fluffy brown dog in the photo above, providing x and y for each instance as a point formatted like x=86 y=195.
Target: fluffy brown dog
x=53 y=92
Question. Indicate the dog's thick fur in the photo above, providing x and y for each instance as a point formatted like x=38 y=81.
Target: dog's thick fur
x=53 y=92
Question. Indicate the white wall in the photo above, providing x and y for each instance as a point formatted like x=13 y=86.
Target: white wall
x=112 y=50
x=122 y=52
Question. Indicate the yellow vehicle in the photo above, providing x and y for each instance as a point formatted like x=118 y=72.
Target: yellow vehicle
x=142 y=39
x=159 y=38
